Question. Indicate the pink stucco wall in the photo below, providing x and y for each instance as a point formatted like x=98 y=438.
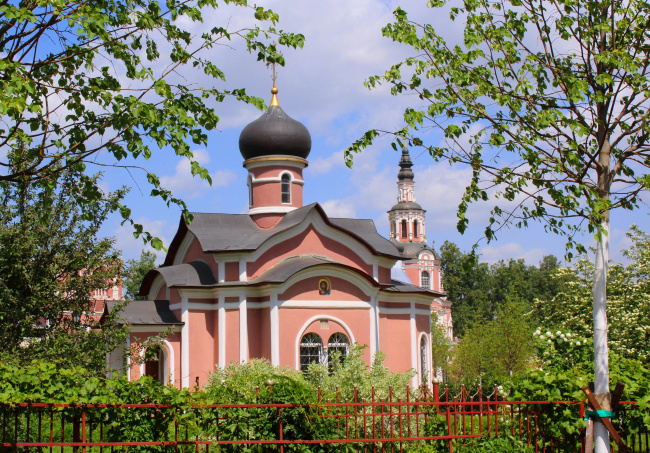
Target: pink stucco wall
x=232 y=335
x=232 y=271
x=308 y=242
x=259 y=333
x=307 y=289
x=395 y=341
x=201 y=333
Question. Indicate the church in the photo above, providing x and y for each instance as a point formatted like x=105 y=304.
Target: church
x=286 y=282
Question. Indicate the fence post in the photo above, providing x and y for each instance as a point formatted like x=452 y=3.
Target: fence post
x=281 y=436
x=436 y=391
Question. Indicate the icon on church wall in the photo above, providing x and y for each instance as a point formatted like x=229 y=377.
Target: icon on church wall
x=324 y=287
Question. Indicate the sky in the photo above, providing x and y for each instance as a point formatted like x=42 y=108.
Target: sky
x=322 y=86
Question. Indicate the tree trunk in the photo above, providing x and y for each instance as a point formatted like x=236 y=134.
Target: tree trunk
x=601 y=361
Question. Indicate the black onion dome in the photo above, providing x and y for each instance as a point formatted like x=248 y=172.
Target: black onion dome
x=405 y=165
x=275 y=133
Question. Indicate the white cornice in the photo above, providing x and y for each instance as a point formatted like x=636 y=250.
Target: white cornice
x=254 y=180
x=340 y=304
x=272 y=210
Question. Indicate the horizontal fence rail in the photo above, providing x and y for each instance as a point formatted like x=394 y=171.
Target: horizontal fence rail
x=386 y=425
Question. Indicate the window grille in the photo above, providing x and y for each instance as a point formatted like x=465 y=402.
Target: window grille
x=425 y=280
x=311 y=350
x=338 y=345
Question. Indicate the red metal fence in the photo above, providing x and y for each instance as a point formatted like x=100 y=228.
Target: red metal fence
x=447 y=422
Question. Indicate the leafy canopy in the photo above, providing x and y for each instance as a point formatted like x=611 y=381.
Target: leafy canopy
x=118 y=77
x=51 y=262
x=547 y=102
x=134 y=272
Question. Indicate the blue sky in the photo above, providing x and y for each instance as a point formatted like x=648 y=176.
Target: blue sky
x=322 y=86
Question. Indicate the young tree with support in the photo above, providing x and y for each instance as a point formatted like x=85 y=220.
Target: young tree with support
x=547 y=102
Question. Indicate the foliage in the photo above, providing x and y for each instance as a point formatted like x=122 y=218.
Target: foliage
x=495 y=351
x=353 y=376
x=545 y=102
x=134 y=273
x=562 y=379
x=477 y=291
x=504 y=444
x=441 y=346
x=628 y=301
x=80 y=78
x=51 y=261
x=466 y=283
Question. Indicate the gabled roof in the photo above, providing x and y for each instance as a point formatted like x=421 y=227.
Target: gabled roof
x=143 y=312
x=239 y=233
x=187 y=275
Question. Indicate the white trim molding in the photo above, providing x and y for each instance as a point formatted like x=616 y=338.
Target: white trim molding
x=272 y=210
x=222 y=331
x=185 y=344
x=243 y=330
x=414 y=346
x=275 y=330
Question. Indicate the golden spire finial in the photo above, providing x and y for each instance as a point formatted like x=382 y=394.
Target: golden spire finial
x=274 y=90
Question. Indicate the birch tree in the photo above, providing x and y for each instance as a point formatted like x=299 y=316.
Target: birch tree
x=547 y=102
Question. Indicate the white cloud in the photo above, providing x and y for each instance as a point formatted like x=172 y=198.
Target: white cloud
x=131 y=246
x=189 y=187
x=338 y=208
x=493 y=253
x=326 y=164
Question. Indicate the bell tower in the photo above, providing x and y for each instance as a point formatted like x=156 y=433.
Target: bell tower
x=406 y=217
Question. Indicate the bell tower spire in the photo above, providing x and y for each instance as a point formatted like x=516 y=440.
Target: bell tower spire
x=406 y=217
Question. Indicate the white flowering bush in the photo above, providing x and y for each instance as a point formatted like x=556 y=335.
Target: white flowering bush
x=558 y=348
x=628 y=302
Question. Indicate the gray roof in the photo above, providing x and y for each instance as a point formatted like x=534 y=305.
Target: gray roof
x=238 y=232
x=144 y=312
x=407 y=206
x=184 y=275
x=412 y=250
x=196 y=273
x=403 y=287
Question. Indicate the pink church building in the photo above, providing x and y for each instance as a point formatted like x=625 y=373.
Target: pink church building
x=285 y=282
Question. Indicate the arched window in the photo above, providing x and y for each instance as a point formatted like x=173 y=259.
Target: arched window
x=404 y=229
x=311 y=350
x=415 y=228
x=250 y=190
x=424 y=368
x=425 y=280
x=338 y=345
x=154 y=362
x=286 y=188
